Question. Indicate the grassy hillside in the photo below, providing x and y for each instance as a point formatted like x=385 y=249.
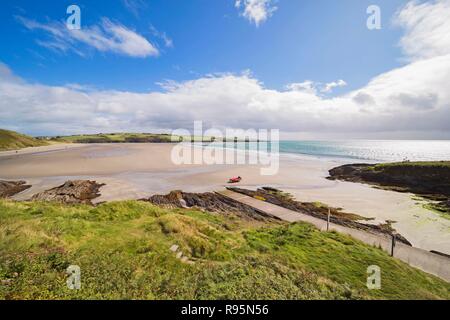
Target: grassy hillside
x=123 y=251
x=114 y=138
x=10 y=140
x=123 y=137
x=133 y=137
x=412 y=164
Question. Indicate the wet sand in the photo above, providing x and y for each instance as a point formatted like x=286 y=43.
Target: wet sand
x=133 y=171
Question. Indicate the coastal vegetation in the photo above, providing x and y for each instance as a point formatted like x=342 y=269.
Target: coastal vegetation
x=412 y=164
x=138 y=250
x=115 y=138
x=10 y=140
x=130 y=138
x=137 y=138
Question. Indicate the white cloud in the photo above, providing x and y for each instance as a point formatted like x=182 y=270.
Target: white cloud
x=427 y=27
x=330 y=86
x=256 y=11
x=135 y=6
x=239 y=101
x=105 y=37
x=168 y=42
x=313 y=87
x=412 y=98
x=307 y=86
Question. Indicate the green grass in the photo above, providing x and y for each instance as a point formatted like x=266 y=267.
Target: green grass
x=442 y=211
x=10 y=140
x=111 y=137
x=133 y=137
x=123 y=251
x=124 y=137
x=412 y=164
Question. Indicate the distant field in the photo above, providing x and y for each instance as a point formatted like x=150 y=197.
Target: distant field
x=10 y=140
x=127 y=137
x=114 y=138
x=123 y=250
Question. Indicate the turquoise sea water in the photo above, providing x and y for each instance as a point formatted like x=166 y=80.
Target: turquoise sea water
x=371 y=150
x=387 y=150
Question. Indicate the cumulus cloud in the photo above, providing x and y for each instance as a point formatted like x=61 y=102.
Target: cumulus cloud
x=330 y=86
x=416 y=101
x=414 y=97
x=307 y=86
x=363 y=98
x=256 y=11
x=235 y=100
x=105 y=37
x=315 y=87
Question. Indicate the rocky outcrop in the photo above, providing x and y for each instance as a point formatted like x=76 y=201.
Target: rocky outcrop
x=424 y=179
x=71 y=192
x=210 y=202
x=430 y=180
x=10 y=188
x=285 y=200
x=348 y=172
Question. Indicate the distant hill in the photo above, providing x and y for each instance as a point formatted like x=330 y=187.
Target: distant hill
x=10 y=140
x=128 y=138
x=136 y=138
x=115 y=138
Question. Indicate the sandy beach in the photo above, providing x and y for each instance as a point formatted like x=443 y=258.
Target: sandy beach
x=133 y=171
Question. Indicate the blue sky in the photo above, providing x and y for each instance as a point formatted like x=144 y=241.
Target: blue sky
x=310 y=68
x=320 y=40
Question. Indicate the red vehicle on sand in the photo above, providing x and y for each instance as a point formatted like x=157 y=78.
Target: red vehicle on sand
x=235 y=180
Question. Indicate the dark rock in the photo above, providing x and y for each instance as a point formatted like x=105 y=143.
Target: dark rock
x=350 y=220
x=210 y=202
x=431 y=181
x=72 y=192
x=440 y=253
x=420 y=179
x=10 y=188
x=348 y=172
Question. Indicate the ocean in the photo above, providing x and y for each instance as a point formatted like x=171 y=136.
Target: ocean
x=368 y=150
x=384 y=151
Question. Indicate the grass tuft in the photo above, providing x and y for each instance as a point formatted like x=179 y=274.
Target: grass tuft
x=123 y=250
